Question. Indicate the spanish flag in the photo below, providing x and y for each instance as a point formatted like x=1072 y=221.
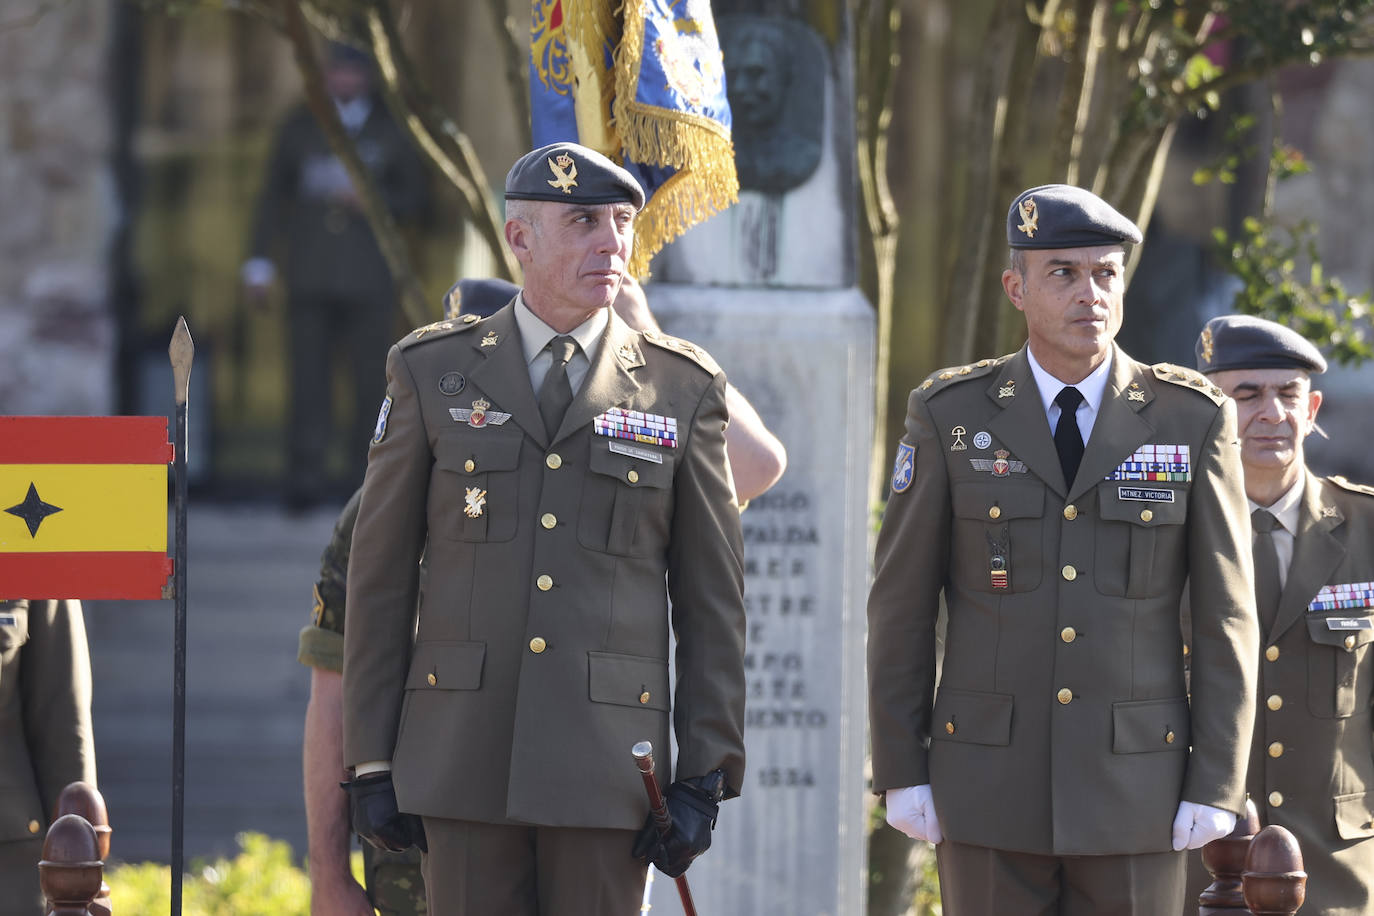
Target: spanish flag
x=83 y=507
x=642 y=82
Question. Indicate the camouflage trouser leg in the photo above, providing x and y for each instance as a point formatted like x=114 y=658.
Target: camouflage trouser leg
x=394 y=884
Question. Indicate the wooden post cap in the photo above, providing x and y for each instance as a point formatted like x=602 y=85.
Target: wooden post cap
x=1225 y=860
x=70 y=873
x=1274 y=880
x=85 y=799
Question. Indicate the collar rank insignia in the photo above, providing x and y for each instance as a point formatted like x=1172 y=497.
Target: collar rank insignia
x=564 y=173
x=490 y=340
x=1030 y=217
x=479 y=415
x=626 y=353
x=1008 y=390
x=475 y=498
x=1001 y=465
x=1328 y=511
x=1135 y=393
x=436 y=326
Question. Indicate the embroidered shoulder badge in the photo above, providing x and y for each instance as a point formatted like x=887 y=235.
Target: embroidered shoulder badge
x=904 y=470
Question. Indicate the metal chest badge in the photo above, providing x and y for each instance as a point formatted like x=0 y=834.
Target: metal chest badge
x=999 y=576
x=475 y=498
x=904 y=470
x=1001 y=464
x=479 y=415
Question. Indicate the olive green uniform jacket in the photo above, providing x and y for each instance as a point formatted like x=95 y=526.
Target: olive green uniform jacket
x=1312 y=760
x=540 y=654
x=45 y=734
x=1062 y=723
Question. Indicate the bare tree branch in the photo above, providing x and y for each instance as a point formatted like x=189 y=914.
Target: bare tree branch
x=517 y=69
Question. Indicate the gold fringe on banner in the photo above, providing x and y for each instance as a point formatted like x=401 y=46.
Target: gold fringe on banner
x=592 y=27
x=699 y=148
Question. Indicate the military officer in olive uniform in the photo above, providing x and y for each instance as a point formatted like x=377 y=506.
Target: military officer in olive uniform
x=1060 y=498
x=45 y=735
x=1312 y=756
x=557 y=469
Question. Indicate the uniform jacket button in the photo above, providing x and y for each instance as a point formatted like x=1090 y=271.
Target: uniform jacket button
x=538 y=645
x=554 y=460
x=1275 y=702
x=1065 y=696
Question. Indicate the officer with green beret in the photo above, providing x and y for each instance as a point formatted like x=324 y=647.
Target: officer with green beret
x=1062 y=498
x=564 y=476
x=1312 y=755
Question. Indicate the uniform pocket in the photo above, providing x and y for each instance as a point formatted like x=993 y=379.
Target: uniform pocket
x=1145 y=726
x=998 y=529
x=446 y=666
x=1338 y=666
x=1355 y=815
x=972 y=717
x=1141 y=547
x=474 y=493
x=626 y=501
x=628 y=680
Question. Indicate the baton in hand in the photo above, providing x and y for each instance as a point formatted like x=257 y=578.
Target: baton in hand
x=643 y=753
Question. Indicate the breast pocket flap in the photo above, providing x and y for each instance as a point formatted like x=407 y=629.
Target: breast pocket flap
x=1143 y=726
x=1141 y=504
x=1340 y=632
x=628 y=680
x=477 y=452
x=972 y=717
x=631 y=470
x=446 y=666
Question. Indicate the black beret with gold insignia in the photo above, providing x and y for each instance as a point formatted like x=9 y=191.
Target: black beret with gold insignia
x=1247 y=342
x=480 y=296
x=569 y=173
x=1063 y=216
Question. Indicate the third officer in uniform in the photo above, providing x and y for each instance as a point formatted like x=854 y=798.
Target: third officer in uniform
x=1060 y=498
x=557 y=469
x=1312 y=758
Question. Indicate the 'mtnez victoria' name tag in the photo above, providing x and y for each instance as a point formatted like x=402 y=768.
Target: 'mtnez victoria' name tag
x=1145 y=495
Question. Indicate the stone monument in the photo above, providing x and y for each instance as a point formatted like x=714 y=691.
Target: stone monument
x=768 y=288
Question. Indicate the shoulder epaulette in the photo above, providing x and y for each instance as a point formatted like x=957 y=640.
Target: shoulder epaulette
x=937 y=381
x=440 y=329
x=683 y=348
x=1351 y=485
x=1189 y=378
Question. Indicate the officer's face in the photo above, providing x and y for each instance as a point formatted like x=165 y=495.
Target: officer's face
x=574 y=256
x=1072 y=299
x=1275 y=410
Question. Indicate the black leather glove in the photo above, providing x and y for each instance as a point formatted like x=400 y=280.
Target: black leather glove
x=376 y=817
x=692 y=806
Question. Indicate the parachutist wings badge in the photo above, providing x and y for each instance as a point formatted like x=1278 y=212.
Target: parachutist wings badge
x=479 y=415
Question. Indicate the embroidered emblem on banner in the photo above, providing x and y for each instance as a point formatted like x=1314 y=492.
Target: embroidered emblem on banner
x=904 y=469
x=637 y=426
x=479 y=415
x=1000 y=465
x=1343 y=597
x=1156 y=462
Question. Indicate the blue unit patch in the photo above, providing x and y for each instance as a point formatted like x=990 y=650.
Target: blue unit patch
x=381 y=420
x=904 y=470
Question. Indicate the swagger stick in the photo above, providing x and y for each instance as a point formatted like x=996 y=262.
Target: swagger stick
x=643 y=753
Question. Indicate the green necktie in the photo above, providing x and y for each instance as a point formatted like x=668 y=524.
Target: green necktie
x=1267 y=586
x=556 y=393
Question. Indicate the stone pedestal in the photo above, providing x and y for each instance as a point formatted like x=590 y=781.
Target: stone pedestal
x=793 y=844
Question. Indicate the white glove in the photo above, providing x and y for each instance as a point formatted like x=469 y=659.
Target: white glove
x=912 y=811
x=1197 y=825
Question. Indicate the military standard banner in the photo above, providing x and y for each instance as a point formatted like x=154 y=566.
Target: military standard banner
x=83 y=507
x=642 y=82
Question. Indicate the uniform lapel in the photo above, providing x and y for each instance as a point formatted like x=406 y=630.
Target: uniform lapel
x=1317 y=554
x=1021 y=425
x=502 y=368
x=608 y=382
x=1119 y=429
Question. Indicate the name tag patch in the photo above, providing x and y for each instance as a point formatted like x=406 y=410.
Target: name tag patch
x=1343 y=597
x=1350 y=623
x=1170 y=463
x=1145 y=495
x=620 y=448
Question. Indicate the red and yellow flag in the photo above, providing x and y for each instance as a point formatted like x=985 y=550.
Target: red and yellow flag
x=83 y=507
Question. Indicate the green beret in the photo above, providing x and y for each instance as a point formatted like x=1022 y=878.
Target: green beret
x=568 y=173
x=1247 y=342
x=1063 y=216
x=480 y=296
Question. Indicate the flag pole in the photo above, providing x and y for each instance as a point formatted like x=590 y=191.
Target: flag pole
x=181 y=350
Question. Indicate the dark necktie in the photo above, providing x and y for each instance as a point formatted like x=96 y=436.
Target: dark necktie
x=556 y=393
x=1068 y=441
x=1267 y=588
